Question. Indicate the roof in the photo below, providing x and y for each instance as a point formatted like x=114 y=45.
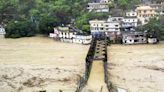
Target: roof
x=116 y=12
x=144 y=8
x=96 y=20
x=130 y=17
x=65 y=29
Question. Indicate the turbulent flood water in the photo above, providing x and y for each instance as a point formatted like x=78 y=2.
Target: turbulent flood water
x=39 y=63
x=96 y=81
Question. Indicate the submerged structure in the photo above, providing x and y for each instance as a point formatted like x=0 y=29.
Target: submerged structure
x=96 y=77
x=134 y=38
x=71 y=35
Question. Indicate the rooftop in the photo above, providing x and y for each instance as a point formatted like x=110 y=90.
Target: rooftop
x=144 y=8
x=65 y=29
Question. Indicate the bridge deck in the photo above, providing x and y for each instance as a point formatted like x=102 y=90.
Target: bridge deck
x=96 y=81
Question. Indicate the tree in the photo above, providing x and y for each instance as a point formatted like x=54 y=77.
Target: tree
x=7 y=10
x=154 y=27
x=17 y=29
x=41 y=16
x=123 y=4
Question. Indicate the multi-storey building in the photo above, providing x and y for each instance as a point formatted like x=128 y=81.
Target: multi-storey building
x=68 y=34
x=97 y=26
x=133 y=38
x=111 y=27
x=144 y=13
x=130 y=22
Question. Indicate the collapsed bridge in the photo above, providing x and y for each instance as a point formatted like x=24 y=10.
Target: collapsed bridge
x=96 y=72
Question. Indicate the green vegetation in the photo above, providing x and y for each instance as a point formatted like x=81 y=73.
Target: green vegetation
x=29 y=17
x=22 y=28
x=82 y=22
x=126 y=4
x=26 y=18
x=154 y=27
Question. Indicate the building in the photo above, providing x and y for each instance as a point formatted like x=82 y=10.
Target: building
x=99 y=5
x=109 y=26
x=131 y=14
x=82 y=39
x=130 y=21
x=115 y=19
x=68 y=34
x=144 y=13
x=133 y=38
x=2 y=32
x=161 y=12
x=96 y=26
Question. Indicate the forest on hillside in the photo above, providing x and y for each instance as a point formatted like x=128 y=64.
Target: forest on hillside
x=24 y=18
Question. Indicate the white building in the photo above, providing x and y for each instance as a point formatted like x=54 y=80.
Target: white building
x=131 y=14
x=97 y=26
x=130 y=22
x=2 y=32
x=99 y=6
x=112 y=27
x=82 y=39
x=133 y=38
x=115 y=19
x=104 y=1
x=67 y=34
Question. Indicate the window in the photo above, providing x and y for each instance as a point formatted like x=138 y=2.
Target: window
x=116 y=25
x=136 y=41
x=116 y=29
x=101 y=28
